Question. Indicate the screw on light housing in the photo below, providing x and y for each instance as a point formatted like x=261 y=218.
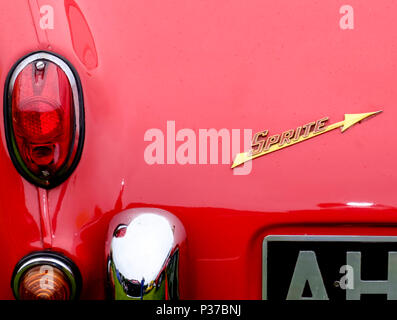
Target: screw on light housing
x=44 y=118
x=40 y=65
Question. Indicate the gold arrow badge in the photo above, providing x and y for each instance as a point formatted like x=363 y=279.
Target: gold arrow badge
x=262 y=145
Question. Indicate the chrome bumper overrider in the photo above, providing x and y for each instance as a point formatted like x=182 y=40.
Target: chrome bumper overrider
x=142 y=250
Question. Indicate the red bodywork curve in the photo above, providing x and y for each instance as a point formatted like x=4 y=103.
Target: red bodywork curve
x=230 y=64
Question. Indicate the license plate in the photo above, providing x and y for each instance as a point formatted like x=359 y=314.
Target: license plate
x=329 y=267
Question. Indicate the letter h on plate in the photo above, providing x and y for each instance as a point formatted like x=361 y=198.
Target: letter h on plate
x=388 y=286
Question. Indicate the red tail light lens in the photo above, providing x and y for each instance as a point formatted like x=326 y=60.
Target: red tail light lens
x=44 y=118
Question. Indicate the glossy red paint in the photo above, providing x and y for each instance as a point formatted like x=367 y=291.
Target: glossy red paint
x=209 y=64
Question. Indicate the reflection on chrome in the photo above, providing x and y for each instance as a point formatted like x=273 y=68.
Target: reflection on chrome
x=143 y=255
x=360 y=204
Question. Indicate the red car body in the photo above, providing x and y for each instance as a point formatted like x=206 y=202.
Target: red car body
x=208 y=64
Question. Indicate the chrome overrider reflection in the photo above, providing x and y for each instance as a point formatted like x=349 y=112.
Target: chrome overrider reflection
x=142 y=251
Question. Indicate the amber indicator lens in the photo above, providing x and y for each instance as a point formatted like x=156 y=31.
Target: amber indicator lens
x=44 y=282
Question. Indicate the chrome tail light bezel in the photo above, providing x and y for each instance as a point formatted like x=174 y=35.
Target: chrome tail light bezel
x=79 y=123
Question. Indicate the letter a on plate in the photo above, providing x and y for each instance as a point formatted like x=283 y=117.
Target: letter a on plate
x=307 y=269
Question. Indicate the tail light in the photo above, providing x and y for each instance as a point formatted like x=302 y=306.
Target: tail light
x=46 y=276
x=44 y=118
